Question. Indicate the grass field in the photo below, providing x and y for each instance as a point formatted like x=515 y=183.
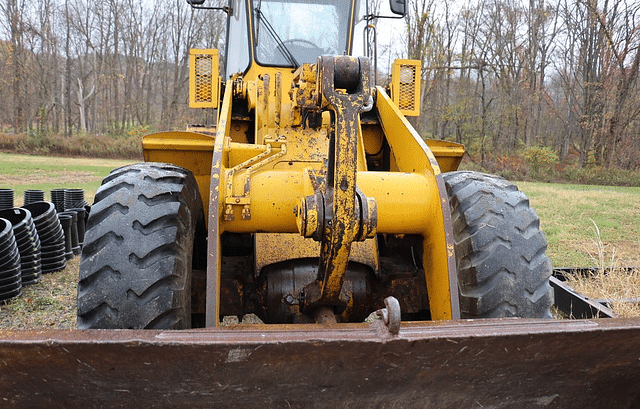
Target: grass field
x=21 y=172
x=594 y=226
x=588 y=225
x=585 y=226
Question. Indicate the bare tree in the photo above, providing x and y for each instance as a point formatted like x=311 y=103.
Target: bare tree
x=497 y=75
x=620 y=28
x=13 y=12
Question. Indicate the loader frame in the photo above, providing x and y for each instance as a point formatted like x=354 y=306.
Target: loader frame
x=425 y=213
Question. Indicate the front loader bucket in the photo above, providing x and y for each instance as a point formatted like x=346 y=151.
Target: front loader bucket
x=506 y=363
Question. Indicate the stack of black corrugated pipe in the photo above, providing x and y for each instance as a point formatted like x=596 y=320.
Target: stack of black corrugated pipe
x=74 y=198
x=32 y=196
x=28 y=243
x=73 y=211
x=57 y=198
x=6 y=198
x=10 y=272
x=51 y=235
x=39 y=237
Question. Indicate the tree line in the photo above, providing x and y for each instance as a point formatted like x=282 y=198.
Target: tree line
x=498 y=75
x=98 y=67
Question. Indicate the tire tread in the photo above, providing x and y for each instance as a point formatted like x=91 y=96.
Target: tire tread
x=502 y=266
x=136 y=261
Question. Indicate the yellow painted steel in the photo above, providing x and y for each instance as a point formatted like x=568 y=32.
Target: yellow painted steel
x=413 y=155
x=219 y=162
x=258 y=187
x=448 y=154
x=203 y=78
x=401 y=210
x=341 y=226
x=193 y=151
x=189 y=150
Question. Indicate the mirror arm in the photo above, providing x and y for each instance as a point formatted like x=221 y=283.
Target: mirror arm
x=372 y=16
x=198 y=5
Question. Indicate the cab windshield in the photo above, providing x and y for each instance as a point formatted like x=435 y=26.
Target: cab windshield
x=289 y=33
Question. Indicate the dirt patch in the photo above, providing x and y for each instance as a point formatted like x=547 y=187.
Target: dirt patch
x=55 y=160
x=46 y=177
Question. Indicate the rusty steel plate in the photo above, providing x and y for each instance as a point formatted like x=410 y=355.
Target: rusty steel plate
x=507 y=363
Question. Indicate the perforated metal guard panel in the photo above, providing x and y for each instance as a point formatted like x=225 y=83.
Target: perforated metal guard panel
x=405 y=86
x=203 y=79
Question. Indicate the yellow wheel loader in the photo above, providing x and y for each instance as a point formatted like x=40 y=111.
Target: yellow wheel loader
x=376 y=273
x=311 y=199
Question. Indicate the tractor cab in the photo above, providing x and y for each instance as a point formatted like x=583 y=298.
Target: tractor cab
x=289 y=33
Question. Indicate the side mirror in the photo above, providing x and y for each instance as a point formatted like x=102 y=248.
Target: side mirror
x=398 y=6
x=195 y=2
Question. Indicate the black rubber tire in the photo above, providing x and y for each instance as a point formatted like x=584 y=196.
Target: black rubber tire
x=503 y=270
x=135 y=270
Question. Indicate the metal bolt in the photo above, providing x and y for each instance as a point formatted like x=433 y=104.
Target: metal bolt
x=391 y=315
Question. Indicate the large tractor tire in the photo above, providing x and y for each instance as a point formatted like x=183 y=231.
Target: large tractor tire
x=500 y=250
x=138 y=251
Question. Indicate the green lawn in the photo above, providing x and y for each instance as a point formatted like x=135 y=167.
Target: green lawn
x=588 y=225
